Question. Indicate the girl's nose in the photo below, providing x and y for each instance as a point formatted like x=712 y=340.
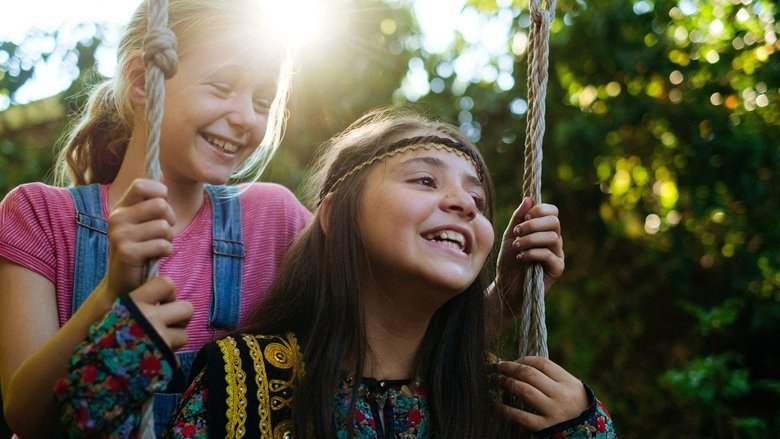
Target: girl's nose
x=461 y=202
x=242 y=114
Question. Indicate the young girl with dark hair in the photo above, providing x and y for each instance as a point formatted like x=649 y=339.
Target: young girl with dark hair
x=376 y=323
x=68 y=253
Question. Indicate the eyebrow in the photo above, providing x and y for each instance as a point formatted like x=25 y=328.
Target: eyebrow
x=227 y=72
x=438 y=163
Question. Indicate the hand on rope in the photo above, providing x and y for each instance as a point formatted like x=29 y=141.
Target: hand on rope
x=532 y=236
x=139 y=228
x=551 y=392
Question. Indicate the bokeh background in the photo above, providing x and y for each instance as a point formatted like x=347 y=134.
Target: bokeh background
x=662 y=152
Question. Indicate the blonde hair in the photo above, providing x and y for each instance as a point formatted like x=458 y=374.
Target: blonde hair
x=95 y=146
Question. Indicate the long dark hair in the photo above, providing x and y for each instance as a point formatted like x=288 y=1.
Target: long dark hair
x=317 y=295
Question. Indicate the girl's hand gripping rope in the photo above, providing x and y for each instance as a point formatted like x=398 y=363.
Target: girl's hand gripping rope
x=533 y=236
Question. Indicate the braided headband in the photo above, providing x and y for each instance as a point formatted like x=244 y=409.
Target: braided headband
x=411 y=144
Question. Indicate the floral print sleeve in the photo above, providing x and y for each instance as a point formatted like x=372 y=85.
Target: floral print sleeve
x=594 y=422
x=112 y=373
x=190 y=421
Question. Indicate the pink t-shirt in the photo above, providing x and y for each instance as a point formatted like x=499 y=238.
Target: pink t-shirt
x=38 y=232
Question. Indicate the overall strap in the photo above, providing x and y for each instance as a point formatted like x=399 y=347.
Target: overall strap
x=227 y=259
x=228 y=256
x=91 y=258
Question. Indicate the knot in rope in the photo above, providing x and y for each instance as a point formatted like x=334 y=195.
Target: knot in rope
x=541 y=14
x=160 y=51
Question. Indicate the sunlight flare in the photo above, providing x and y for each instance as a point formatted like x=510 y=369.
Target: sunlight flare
x=296 y=20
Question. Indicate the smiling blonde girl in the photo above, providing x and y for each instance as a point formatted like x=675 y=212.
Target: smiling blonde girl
x=66 y=254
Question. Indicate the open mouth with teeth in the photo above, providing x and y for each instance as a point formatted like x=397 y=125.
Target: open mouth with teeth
x=449 y=238
x=224 y=145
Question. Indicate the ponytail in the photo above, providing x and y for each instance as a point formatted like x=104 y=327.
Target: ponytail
x=94 y=150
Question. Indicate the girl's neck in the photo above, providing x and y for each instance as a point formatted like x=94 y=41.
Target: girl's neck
x=395 y=328
x=185 y=199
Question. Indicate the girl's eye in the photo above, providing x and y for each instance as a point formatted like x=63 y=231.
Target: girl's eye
x=426 y=181
x=222 y=89
x=479 y=202
x=262 y=105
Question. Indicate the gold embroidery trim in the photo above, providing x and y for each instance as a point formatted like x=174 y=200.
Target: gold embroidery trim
x=261 y=380
x=283 y=353
x=283 y=430
x=413 y=146
x=282 y=356
x=235 y=381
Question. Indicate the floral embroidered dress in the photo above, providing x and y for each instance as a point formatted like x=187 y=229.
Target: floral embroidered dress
x=244 y=389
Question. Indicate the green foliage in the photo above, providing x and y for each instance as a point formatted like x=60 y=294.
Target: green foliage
x=719 y=386
x=20 y=163
x=27 y=152
x=661 y=152
x=14 y=71
x=710 y=380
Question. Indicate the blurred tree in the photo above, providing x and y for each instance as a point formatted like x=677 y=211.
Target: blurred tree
x=661 y=151
x=28 y=133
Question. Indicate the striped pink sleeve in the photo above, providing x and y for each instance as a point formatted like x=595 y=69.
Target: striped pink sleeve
x=36 y=222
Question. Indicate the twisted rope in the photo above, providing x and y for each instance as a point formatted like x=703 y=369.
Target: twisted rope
x=161 y=63
x=533 y=329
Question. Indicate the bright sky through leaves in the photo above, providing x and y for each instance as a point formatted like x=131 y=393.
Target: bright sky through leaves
x=439 y=19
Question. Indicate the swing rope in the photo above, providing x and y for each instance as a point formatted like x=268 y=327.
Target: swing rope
x=161 y=63
x=533 y=329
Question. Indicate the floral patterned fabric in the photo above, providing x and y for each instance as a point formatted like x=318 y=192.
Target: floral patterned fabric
x=401 y=404
x=190 y=421
x=124 y=353
x=112 y=374
x=400 y=401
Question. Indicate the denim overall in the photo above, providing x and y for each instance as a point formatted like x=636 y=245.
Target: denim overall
x=228 y=252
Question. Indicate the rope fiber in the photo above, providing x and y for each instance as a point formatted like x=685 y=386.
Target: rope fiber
x=533 y=330
x=533 y=340
x=161 y=63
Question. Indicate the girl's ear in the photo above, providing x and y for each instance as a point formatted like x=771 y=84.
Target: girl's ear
x=324 y=212
x=136 y=75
